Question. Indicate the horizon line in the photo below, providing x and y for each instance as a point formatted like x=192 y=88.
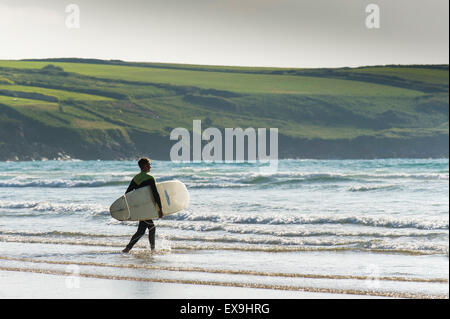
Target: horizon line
x=220 y=65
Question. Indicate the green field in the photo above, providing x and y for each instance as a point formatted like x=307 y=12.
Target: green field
x=229 y=81
x=59 y=94
x=112 y=102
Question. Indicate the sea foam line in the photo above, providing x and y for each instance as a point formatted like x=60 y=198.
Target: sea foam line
x=272 y=241
x=246 y=248
x=242 y=231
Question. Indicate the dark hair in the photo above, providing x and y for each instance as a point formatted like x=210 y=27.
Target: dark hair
x=143 y=161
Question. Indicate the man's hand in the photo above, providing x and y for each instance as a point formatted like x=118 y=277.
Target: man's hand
x=160 y=213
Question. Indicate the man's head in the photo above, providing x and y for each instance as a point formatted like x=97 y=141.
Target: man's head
x=144 y=164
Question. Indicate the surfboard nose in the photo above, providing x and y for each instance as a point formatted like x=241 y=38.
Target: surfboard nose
x=119 y=215
x=117 y=209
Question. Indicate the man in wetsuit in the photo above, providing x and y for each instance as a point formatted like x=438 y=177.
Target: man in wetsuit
x=141 y=180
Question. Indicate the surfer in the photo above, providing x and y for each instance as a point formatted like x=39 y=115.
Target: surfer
x=141 y=180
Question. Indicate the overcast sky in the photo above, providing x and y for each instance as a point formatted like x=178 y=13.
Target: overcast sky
x=286 y=33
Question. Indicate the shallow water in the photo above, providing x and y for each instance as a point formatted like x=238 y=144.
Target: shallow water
x=360 y=226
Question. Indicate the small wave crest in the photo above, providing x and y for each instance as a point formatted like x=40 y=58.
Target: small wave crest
x=375 y=221
x=368 y=188
x=322 y=232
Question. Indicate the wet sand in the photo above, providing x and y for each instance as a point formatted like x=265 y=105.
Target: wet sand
x=17 y=284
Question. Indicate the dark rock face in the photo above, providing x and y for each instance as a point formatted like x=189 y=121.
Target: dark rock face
x=365 y=148
x=30 y=142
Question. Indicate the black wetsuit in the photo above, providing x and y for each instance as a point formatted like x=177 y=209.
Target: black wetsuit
x=141 y=180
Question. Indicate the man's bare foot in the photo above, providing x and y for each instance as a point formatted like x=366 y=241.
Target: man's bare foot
x=126 y=250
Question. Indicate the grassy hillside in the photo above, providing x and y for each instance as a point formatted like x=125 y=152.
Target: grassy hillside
x=115 y=109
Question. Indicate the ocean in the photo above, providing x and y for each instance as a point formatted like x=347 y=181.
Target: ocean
x=359 y=227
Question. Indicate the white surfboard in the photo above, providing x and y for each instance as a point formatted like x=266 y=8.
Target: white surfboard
x=140 y=204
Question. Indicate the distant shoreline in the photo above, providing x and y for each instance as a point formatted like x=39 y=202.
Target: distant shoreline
x=289 y=148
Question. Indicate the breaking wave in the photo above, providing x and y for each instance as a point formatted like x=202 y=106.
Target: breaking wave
x=221 y=179
x=62 y=183
x=61 y=208
x=233 y=218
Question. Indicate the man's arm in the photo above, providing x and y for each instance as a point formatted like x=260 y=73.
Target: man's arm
x=151 y=182
x=155 y=192
x=131 y=187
